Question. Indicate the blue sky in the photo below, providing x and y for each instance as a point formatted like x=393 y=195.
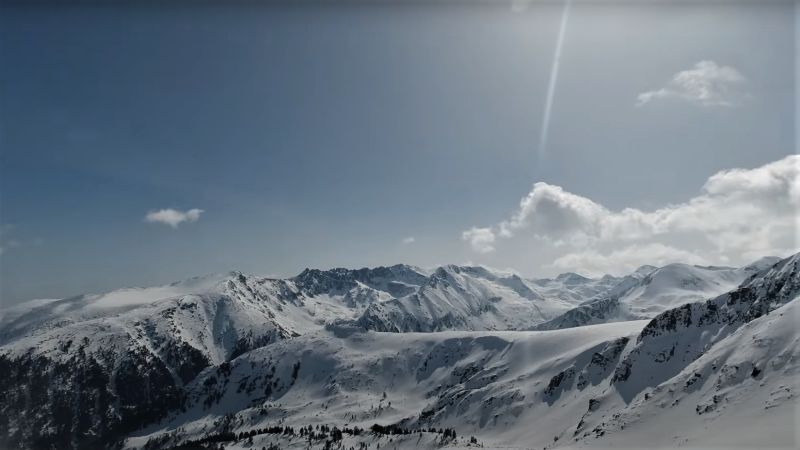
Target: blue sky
x=326 y=136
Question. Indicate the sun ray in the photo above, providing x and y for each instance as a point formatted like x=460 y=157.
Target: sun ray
x=551 y=88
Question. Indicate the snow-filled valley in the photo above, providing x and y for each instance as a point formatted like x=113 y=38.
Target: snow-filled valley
x=404 y=357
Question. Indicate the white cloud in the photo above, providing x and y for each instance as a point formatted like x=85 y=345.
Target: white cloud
x=554 y=213
x=706 y=84
x=173 y=217
x=481 y=239
x=739 y=215
x=409 y=240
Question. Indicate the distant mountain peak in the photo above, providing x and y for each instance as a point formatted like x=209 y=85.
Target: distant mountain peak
x=645 y=269
x=763 y=263
x=572 y=278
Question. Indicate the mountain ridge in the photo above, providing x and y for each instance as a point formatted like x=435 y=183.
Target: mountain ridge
x=194 y=351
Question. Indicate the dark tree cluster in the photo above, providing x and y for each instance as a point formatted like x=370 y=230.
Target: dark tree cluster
x=331 y=436
x=447 y=433
x=87 y=402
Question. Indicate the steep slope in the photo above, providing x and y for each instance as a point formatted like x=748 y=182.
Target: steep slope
x=37 y=315
x=680 y=351
x=79 y=377
x=465 y=298
x=679 y=336
x=743 y=392
x=396 y=281
x=232 y=353
x=675 y=284
x=573 y=288
x=483 y=383
x=158 y=339
x=60 y=356
x=730 y=361
x=650 y=291
x=336 y=293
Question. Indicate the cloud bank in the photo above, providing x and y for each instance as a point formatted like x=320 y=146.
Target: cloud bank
x=173 y=217
x=706 y=84
x=738 y=216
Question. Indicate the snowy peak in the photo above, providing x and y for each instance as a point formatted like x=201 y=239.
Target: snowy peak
x=678 y=336
x=30 y=316
x=762 y=264
x=222 y=356
x=644 y=270
x=745 y=383
x=397 y=280
x=649 y=291
x=675 y=284
x=466 y=298
x=572 y=279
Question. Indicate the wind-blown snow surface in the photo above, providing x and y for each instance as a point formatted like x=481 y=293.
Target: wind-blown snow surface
x=478 y=382
x=233 y=353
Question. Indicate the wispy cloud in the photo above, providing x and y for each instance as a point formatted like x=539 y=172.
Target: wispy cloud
x=7 y=242
x=173 y=217
x=4 y=242
x=706 y=84
x=740 y=215
x=409 y=240
x=480 y=239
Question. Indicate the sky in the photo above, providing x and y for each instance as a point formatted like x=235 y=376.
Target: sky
x=141 y=145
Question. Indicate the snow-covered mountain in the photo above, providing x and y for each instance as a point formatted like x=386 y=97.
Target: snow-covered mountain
x=159 y=339
x=730 y=361
x=467 y=298
x=231 y=353
x=650 y=290
x=397 y=280
x=475 y=381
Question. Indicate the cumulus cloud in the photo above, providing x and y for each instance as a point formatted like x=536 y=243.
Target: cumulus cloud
x=555 y=213
x=480 y=239
x=706 y=84
x=173 y=217
x=738 y=216
x=409 y=240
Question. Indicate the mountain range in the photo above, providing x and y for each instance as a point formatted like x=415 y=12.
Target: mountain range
x=453 y=356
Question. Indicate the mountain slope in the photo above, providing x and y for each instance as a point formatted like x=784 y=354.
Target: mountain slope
x=650 y=291
x=480 y=382
x=477 y=298
x=679 y=336
x=159 y=339
x=743 y=392
x=673 y=347
x=78 y=378
x=232 y=353
x=587 y=386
